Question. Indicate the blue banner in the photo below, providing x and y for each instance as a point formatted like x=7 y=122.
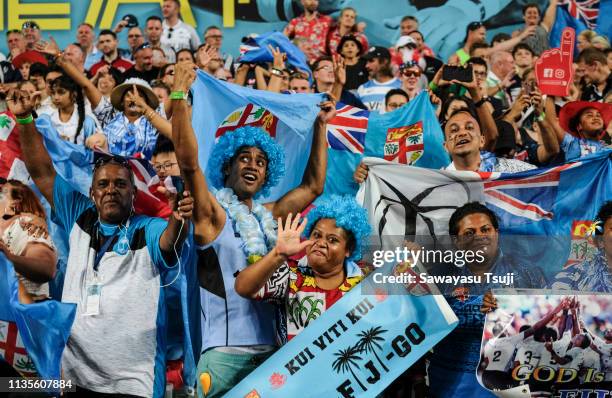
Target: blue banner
x=356 y=348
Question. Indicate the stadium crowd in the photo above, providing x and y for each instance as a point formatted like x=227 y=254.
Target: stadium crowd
x=136 y=102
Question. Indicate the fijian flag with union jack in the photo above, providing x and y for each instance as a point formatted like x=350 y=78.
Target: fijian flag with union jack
x=581 y=15
x=528 y=197
x=347 y=131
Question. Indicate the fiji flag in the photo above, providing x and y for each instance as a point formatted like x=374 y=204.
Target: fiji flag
x=219 y=107
x=409 y=135
x=581 y=15
x=32 y=336
x=537 y=209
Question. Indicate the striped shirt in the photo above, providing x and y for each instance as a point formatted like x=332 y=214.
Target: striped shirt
x=372 y=93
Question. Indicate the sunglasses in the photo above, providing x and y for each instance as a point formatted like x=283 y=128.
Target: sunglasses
x=142 y=47
x=474 y=25
x=102 y=159
x=30 y=25
x=133 y=36
x=411 y=73
x=170 y=30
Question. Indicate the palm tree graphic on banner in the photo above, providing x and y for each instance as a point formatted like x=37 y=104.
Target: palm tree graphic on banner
x=347 y=359
x=370 y=340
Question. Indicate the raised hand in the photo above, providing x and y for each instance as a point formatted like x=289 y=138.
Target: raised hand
x=339 y=69
x=205 y=55
x=554 y=70
x=184 y=210
x=184 y=74
x=279 y=57
x=327 y=112
x=48 y=47
x=20 y=103
x=288 y=241
x=135 y=97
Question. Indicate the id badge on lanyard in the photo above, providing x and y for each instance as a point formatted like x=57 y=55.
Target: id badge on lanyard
x=94 y=291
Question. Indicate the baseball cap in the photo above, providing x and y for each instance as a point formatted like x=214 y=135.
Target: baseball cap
x=377 y=52
x=404 y=41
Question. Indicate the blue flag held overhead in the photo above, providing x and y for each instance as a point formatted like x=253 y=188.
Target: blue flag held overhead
x=219 y=107
x=257 y=51
x=409 y=135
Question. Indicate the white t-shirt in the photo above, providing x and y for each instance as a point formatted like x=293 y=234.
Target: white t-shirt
x=179 y=36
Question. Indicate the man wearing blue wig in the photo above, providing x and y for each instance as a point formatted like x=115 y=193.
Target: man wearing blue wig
x=233 y=230
x=336 y=230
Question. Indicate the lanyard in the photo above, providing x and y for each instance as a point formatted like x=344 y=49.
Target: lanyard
x=104 y=248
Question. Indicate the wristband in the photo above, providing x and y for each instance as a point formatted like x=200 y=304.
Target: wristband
x=178 y=95
x=541 y=117
x=277 y=72
x=433 y=86
x=25 y=120
x=481 y=102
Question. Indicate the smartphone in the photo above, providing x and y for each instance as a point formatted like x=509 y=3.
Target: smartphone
x=179 y=184
x=460 y=73
x=529 y=87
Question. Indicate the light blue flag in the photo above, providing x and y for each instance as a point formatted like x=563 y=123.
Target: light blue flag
x=261 y=52
x=219 y=107
x=44 y=327
x=357 y=347
x=408 y=135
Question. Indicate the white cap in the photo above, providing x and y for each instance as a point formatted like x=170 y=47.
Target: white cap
x=404 y=41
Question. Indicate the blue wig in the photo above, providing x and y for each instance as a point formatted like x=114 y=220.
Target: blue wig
x=246 y=136
x=348 y=215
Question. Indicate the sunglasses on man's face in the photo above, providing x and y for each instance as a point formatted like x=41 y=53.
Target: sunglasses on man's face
x=411 y=73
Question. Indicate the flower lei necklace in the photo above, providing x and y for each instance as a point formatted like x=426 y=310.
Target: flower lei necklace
x=249 y=224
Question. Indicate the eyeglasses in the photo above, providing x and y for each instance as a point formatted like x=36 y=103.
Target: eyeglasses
x=326 y=68
x=480 y=74
x=411 y=73
x=163 y=166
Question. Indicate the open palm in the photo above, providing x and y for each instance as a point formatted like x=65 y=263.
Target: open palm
x=288 y=242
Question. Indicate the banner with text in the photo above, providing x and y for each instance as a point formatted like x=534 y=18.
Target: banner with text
x=363 y=342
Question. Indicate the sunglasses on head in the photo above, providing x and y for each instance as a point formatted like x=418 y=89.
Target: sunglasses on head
x=102 y=159
x=474 y=25
x=29 y=25
x=142 y=47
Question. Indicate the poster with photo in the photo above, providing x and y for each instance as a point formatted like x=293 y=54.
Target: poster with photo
x=539 y=345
